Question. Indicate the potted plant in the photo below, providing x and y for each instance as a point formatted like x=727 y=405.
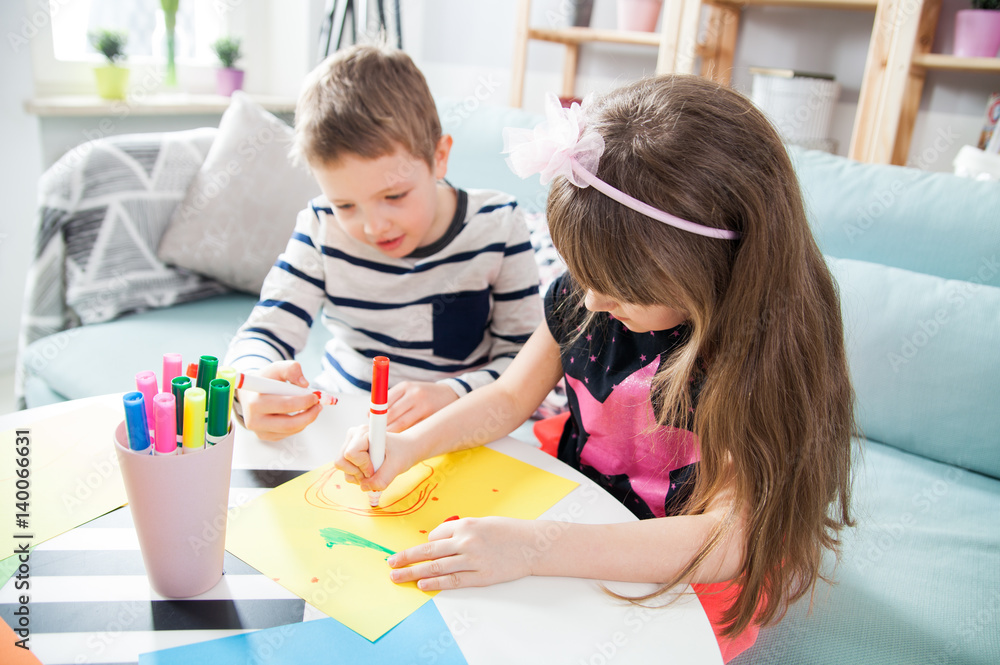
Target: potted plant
x=639 y=15
x=112 y=80
x=228 y=78
x=977 y=30
x=170 y=25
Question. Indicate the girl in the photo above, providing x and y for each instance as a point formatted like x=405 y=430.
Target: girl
x=699 y=333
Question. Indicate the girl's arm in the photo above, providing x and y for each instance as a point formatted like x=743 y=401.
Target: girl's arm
x=484 y=415
x=483 y=551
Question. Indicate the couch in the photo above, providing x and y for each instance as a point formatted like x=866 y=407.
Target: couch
x=915 y=255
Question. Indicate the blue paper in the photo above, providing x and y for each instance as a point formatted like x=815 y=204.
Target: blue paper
x=423 y=637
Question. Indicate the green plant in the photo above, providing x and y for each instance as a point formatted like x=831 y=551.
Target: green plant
x=109 y=43
x=227 y=49
x=986 y=4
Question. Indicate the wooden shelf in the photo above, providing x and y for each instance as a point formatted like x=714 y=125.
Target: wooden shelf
x=158 y=104
x=581 y=35
x=859 y=5
x=954 y=63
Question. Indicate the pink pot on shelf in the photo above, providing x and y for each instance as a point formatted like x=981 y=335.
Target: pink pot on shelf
x=977 y=33
x=228 y=80
x=638 y=15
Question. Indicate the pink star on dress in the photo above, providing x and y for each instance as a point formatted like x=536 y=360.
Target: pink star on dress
x=625 y=438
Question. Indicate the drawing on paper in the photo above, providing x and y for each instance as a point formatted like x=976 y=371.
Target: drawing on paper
x=330 y=493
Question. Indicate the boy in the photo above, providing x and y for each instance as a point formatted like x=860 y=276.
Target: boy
x=399 y=262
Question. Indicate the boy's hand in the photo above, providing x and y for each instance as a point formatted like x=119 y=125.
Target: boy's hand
x=274 y=417
x=356 y=464
x=412 y=401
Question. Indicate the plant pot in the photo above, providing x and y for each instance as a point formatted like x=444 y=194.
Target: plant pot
x=228 y=81
x=112 y=81
x=977 y=33
x=582 y=10
x=638 y=15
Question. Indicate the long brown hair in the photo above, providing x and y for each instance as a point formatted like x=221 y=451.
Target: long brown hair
x=774 y=415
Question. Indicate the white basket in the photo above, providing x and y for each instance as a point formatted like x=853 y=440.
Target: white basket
x=800 y=107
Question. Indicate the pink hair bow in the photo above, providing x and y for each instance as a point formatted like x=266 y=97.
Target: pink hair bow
x=563 y=146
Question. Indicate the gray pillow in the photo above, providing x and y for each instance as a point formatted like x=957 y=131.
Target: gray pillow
x=240 y=209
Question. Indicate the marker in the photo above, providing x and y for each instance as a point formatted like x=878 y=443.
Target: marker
x=207 y=367
x=136 y=423
x=229 y=374
x=194 y=420
x=218 y=411
x=171 y=369
x=145 y=382
x=177 y=387
x=260 y=384
x=165 y=423
x=377 y=417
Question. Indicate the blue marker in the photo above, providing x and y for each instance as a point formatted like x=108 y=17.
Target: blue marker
x=136 y=423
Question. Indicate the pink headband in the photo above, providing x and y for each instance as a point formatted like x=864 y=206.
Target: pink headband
x=561 y=145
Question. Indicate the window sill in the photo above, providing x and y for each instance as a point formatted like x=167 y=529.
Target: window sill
x=158 y=104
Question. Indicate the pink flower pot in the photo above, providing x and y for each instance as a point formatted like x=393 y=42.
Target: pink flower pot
x=977 y=33
x=640 y=15
x=228 y=80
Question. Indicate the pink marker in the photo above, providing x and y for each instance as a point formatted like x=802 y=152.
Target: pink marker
x=171 y=369
x=145 y=382
x=165 y=423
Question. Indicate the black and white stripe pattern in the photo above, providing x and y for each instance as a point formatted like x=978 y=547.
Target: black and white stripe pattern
x=90 y=601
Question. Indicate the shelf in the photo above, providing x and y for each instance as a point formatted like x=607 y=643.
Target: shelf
x=159 y=104
x=582 y=35
x=954 y=63
x=859 y=5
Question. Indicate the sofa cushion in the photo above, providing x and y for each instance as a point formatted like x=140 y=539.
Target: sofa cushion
x=934 y=223
x=103 y=208
x=240 y=209
x=919 y=579
x=924 y=361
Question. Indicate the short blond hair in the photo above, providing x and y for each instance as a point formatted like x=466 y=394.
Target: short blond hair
x=365 y=100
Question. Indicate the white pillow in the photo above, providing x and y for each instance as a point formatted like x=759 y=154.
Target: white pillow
x=240 y=209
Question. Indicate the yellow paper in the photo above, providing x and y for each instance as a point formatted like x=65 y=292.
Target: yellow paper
x=296 y=533
x=73 y=475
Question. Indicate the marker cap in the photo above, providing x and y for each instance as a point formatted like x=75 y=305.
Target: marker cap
x=207 y=367
x=218 y=408
x=177 y=386
x=165 y=423
x=194 y=419
x=171 y=368
x=135 y=421
x=380 y=380
x=145 y=382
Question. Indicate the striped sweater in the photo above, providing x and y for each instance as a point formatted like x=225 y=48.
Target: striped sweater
x=457 y=315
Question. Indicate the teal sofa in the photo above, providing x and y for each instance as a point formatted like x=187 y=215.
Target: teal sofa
x=916 y=257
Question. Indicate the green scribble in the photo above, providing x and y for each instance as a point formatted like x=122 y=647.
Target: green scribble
x=341 y=537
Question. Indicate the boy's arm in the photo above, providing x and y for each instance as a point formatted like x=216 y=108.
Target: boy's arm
x=517 y=306
x=293 y=292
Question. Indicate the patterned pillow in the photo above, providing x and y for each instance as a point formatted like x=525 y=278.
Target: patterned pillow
x=104 y=207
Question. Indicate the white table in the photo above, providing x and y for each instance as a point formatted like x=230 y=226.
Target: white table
x=91 y=602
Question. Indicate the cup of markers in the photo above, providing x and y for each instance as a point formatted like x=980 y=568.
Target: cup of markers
x=175 y=450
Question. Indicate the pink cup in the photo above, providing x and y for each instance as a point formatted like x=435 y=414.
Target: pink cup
x=179 y=505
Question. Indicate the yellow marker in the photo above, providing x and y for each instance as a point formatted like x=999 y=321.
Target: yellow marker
x=229 y=374
x=194 y=420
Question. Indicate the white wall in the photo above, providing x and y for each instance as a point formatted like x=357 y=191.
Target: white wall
x=20 y=166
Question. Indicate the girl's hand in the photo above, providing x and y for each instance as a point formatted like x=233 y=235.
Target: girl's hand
x=357 y=466
x=469 y=552
x=412 y=401
x=274 y=417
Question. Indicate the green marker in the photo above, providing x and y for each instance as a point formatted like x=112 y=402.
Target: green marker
x=178 y=385
x=218 y=411
x=207 y=368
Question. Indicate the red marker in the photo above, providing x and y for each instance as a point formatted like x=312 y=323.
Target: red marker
x=377 y=417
